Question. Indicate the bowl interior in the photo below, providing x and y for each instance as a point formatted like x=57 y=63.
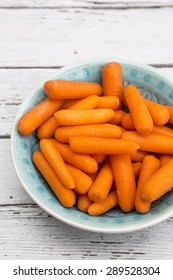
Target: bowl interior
x=153 y=86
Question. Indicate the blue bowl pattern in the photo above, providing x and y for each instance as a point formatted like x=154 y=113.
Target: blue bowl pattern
x=154 y=86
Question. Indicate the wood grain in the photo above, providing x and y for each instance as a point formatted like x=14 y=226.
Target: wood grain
x=51 y=37
x=27 y=232
x=11 y=190
x=14 y=87
x=84 y=3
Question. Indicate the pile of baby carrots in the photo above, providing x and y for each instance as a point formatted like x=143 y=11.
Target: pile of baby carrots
x=102 y=146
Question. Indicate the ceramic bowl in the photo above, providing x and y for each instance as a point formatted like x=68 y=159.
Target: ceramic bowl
x=154 y=86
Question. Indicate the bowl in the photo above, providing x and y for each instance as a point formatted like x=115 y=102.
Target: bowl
x=153 y=85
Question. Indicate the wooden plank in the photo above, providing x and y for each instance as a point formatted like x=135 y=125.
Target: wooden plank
x=84 y=3
x=51 y=37
x=11 y=190
x=27 y=232
x=16 y=85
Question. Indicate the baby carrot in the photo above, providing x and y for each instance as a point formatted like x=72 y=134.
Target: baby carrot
x=170 y=110
x=94 y=175
x=125 y=181
x=47 y=129
x=55 y=159
x=98 y=208
x=163 y=130
x=111 y=102
x=102 y=184
x=117 y=118
x=96 y=145
x=159 y=183
x=83 y=202
x=112 y=80
x=32 y=119
x=65 y=196
x=63 y=89
x=82 y=181
x=127 y=122
x=164 y=159
x=138 y=156
x=85 y=163
x=99 y=157
x=139 y=112
x=69 y=102
x=153 y=142
x=158 y=112
x=89 y=102
x=149 y=166
x=106 y=130
x=81 y=117
x=136 y=168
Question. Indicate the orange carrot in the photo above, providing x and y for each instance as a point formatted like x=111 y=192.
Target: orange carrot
x=32 y=119
x=106 y=130
x=89 y=102
x=69 y=102
x=163 y=130
x=125 y=181
x=64 y=195
x=125 y=103
x=94 y=175
x=85 y=163
x=158 y=112
x=102 y=184
x=82 y=181
x=149 y=166
x=138 y=156
x=63 y=89
x=159 y=183
x=170 y=110
x=96 y=145
x=111 y=102
x=140 y=115
x=99 y=157
x=81 y=117
x=152 y=142
x=83 y=202
x=112 y=80
x=122 y=129
x=117 y=118
x=98 y=208
x=55 y=159
x=47 y=129
x=127 y=122
x=136 y=168
x=164 y=159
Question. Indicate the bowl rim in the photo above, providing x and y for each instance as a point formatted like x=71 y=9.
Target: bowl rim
x=61 y=70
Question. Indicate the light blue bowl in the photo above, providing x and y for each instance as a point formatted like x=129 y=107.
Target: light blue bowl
x=154 y=86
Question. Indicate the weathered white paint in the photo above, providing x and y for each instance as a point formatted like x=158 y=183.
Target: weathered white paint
x=11 y=190
x=52 y=37
x=85 y=3
x=14 y=87
x=27 y=232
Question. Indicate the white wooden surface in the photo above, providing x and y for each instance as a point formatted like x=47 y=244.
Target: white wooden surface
x=36 y=38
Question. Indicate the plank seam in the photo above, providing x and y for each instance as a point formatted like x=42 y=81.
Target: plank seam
x=156 y=65
x=64 y=8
